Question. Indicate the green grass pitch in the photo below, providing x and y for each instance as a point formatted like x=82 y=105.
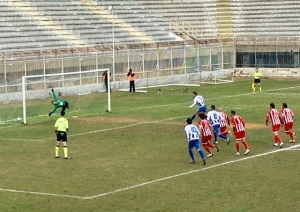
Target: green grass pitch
x=135 y=158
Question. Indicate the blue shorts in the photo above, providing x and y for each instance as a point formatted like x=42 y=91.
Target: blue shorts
x=201 y=109
x=216 y=128
x=194 y=143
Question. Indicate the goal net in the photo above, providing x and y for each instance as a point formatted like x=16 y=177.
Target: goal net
x=84 y=92
x=215 y=77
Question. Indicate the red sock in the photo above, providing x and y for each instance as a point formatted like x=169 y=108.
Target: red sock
x=206 y=148
x=211 y=145
x=277 y=138
x=245 y=144
x=237 y=146
x=291 y=135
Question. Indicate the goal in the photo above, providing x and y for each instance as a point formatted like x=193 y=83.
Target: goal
x=216 y=77
x=84 y=91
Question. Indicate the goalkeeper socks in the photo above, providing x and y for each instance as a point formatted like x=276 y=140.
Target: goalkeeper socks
x=193 y=116
x=259 y=89
x=56 y=151
x=191 y=155
x=65 y=151
x=201 y=154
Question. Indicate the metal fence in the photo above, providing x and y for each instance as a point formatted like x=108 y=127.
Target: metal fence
x=281 y=52
x=145 y=62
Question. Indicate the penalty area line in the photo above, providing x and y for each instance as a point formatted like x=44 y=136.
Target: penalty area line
x=152 y=181
x=40 y=193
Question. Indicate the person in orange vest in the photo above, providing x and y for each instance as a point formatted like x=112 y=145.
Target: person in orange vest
x=131 y=80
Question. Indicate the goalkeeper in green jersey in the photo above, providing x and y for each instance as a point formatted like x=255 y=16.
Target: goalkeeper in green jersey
x=58 y=103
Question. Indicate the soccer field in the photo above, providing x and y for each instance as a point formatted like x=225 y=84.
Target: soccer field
x=136 y=159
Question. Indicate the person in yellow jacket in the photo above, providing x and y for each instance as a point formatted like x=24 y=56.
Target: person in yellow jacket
x=257 y=76
x=61 y=128
x=131 y=80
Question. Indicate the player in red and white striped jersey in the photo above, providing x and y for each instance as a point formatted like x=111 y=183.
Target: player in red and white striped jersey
x=224 y=122
x=204 y=128
x=238 y=126
x=276 y=121
x=288 y=121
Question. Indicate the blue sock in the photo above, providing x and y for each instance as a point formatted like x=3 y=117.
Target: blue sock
x=193 y=116
x=201 y=154
x=223 y=136
x=191 y=155
x=215 y=136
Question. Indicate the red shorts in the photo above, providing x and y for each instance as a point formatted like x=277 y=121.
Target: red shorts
x=223 y=129
x=240 y=135
x=288 y=126
x=206 y=139
x=275 y=128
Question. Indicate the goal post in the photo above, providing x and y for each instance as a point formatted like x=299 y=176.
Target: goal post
x=84 y=91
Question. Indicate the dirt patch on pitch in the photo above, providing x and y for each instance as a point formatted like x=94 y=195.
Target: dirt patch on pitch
x=106 y=120
x=254 y=126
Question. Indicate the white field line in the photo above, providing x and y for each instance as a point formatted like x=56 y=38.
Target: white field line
x=150 y=107
x=282 y=94
x=292 y=149
x=153 y=181
x=40 y=193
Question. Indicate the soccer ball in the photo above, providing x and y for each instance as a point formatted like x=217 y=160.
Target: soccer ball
x=19 y=119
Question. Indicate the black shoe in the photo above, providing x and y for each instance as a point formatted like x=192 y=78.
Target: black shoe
x=204 y=163
x=68 y=157
x=56 y=156
x=217 y=148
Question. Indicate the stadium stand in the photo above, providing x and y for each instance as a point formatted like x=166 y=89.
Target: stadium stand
x=41 y=24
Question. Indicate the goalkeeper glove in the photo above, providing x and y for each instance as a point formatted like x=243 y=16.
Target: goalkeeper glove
x=50 y=113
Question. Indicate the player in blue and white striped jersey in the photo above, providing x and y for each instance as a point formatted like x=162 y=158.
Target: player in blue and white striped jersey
x=198 y=100
x=193 y=139
x=215 y=118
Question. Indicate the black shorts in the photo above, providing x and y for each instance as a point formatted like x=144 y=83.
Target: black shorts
x=65 y=106
x=256 y=81
x=62 y=136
